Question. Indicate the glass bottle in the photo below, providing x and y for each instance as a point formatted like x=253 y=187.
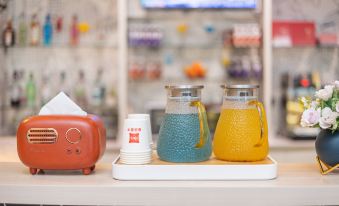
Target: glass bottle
x=59 y=24
x=99 y=90
x=31 y=91
x=35 y=31
x=74 y=34
x=62 y=84
x=80 y=90
x=8 y=35
x=48 y=31
x=46 y=93
x=15 y=91
x=22 y=33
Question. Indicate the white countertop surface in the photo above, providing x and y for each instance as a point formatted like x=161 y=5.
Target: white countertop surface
x=297 y=184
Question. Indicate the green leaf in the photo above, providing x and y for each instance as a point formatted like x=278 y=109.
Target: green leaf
x=335 y=126
x=336 y=94
x=326 y=104
x=333 y=103
x=322 y=104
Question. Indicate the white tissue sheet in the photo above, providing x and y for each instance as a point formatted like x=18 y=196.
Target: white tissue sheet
x=61 y=104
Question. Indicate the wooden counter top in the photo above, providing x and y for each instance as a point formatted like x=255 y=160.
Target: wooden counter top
x=297 y=184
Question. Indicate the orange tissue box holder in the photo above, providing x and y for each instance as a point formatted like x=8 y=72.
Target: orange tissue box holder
x=61 y=142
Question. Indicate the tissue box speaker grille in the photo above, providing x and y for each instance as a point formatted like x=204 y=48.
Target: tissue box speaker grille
x=42 y=136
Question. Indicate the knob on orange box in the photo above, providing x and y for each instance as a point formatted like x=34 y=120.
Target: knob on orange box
x=61 y=142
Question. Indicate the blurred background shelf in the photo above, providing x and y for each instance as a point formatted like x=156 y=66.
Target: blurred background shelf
x=54 y=47
x=126 y=54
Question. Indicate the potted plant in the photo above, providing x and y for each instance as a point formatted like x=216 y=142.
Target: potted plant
x=323 y=112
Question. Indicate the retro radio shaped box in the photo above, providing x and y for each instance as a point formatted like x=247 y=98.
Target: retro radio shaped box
x=61 y=142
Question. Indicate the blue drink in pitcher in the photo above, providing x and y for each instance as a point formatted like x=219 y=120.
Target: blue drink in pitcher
x=184 y=134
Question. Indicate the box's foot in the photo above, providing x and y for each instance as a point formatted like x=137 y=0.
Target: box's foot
x=33 y=171
x=86 y=171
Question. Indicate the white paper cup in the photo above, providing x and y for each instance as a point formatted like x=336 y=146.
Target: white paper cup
x=136 y=152
x=145 y=159
x=128 y=157
x=135 y=136
x=147 y=117
x=129 y=161
x=136 y=156
x=136 y=163
x=135 y=159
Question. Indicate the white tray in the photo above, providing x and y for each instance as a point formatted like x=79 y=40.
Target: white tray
x=212 y=169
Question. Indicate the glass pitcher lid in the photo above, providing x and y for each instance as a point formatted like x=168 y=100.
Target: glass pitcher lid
x=193 y=91
x=240 y=86
x=238 y=90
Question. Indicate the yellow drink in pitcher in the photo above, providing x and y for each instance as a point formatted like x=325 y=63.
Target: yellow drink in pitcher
x=241 y=135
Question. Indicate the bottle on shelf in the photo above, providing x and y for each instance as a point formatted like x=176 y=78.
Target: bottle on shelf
x=80 y=90
x=59 y=24
x=58 y=34
x=99 y=90
x=46 y=93
x=15 y=91
x=62 y=84
x=154 y=70
x=31 y=91
x=74 y=31
x=8 y=35
x=22 y=33
x=35 y=31
x=48 y=31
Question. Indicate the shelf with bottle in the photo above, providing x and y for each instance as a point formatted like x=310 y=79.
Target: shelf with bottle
x=53 y=34
x=238 y=65
x=28 y=90
x=295 y=85
x=188 y=46
x=156 y=37
x=60 y=47
x=242 y=69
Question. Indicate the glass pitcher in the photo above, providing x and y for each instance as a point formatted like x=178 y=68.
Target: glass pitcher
x=184 y=135
x=241 y=133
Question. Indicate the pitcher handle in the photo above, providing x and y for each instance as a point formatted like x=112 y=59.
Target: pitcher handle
x=203 y=123
x=263 y=123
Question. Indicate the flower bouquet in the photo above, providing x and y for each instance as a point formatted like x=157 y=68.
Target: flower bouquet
x=323 y=112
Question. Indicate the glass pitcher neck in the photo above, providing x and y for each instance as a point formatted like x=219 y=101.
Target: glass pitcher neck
x=180 y=98
x=183 y=99
x=239 y=96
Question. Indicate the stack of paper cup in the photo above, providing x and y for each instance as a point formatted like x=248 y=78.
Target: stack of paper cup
x=136 y=147
x=147 y=117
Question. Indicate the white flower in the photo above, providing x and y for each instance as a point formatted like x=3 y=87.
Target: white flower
x=337 y=106
x=314 y=104
x=336 y=84
x=310 y=117
x=328 y=118
x=326 y=93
